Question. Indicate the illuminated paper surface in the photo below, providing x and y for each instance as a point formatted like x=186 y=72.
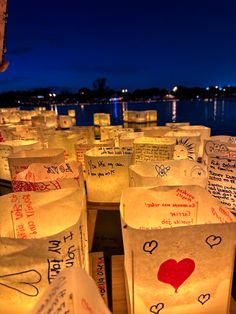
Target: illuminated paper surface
x=20 y=161
x=65 y=140
x=179 y=245
x=107 y=173
x=204 y=131
x=9 y=147
x=187 y=144
x=83 y=145
x=47 y=177
x=221 y=163
x=168 y=172
x=126 y=139
x=105 y=131
x=73 y=291
x=155 y=131
x=37 y=241
x=150 y=148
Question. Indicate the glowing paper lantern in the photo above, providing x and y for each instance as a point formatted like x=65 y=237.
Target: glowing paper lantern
x=85 y=132
x=126 y=139
x=72 y=113
x=151 y=115
x=83 y=145
x=9 y=147
x=65 y=122
x=129 y=116
x=65 y=140
x=155 y=131
x=217 y=143
x=187 y=144
x=72 y=284
x=20 y=160
x=47 y=177
x=221 y=164
x=150 y=148
x=101 y=119
x=26 y=115
x=175 y=125
x=107 y=173
x=168 y=172
x=204 y=131
x=140 y=117
x=45 y=119
x=105 y=131
x=179 y=246
x=37 y=242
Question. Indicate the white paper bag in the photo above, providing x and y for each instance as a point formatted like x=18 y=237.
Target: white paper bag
x=221 y=164
x=150 y=148
x=20 y=160
x=73 y=291
x=205 y=133
x=49 y=176
x=168 y=172
x=179 y=247
x=107 y=173
x=187 y=144
x=9 y=147
x=41 y=234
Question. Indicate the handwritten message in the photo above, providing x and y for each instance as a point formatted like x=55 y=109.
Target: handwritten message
x=23 y=216
x=222 y=180
x=146 y=152
x=55 y=265
x=175 y=214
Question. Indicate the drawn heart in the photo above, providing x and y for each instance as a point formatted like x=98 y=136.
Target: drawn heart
x=175 y=273
x=156 y=308
x=150 y=246
x=213 y=240
x=23 y=282
x=203 y=298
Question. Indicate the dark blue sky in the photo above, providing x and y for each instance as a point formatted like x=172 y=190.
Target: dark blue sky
x=134 y=44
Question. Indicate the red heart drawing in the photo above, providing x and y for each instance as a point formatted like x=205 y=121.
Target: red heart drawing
x=175 y=273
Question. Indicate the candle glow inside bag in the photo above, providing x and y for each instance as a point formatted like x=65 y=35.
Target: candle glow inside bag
x=155 y=131
x=187 y=144
x=107 y=173
x=72 y=284
x=49 y=176
x=204 y=131
x=221 y=163
x=150 y=148
x=179 y=248
x=9 y=147
x=168 y=172
x=42 y=233
x=20 y=161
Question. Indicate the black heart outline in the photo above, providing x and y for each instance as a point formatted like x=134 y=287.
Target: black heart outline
x=149 y=243
x=154 y=308
x=30 y=283
x=214 y=237
x=206 y=297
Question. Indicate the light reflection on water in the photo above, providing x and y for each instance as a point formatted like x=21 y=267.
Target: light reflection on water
x=219 y=115
x=174 y=111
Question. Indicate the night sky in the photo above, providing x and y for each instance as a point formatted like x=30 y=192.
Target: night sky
x=66 y=45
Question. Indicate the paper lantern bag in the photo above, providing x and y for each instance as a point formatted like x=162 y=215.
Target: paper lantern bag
x=20 y=161
x=47 y=177
x=168 y=172
x=40 y=235
x=9 y=147
x=72 y=284
x=107 y=173
x=179 y=246
x=221 y=164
